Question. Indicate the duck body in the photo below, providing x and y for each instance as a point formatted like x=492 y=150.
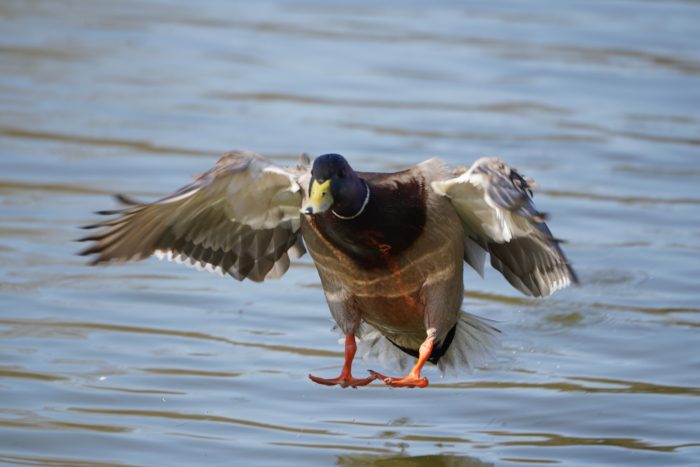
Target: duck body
x=398 y=265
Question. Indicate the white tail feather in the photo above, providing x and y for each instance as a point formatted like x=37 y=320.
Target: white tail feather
x=474 y=343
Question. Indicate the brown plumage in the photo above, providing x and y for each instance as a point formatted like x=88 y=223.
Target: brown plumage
x=389 y=248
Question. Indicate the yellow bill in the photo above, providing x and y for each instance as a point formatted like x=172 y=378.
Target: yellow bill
x=320 y=198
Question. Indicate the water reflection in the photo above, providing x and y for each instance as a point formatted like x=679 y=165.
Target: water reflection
x=555 y=440
x=58 y=461
x=130 y=413
x=437 y=460
x=33 y=422
x=520 y=107
x=138 y=146
x=610 y=386
x=47 y=328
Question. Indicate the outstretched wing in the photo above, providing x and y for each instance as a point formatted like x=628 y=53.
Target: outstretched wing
x=241 y=218
x=494 y=203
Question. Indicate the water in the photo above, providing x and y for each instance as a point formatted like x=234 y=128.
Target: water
x=157 y=364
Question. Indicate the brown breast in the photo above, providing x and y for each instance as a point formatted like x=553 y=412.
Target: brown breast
x=392 y=221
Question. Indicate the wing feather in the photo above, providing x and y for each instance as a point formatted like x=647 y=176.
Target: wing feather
x=494 y=203
x=241 y=218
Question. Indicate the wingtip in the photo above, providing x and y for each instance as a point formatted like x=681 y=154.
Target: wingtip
x=573 y=276
x=126 y=200
x=89 y=238
x=83 y=252
x=91 y=262
x=96 y=262
x=108 y=212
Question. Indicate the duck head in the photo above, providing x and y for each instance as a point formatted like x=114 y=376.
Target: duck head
x=336 y=186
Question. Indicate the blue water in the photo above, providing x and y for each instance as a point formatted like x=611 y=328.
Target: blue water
x=156 y=364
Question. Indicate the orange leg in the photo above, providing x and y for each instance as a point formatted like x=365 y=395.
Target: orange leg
x=345 y=379
x=413 y=379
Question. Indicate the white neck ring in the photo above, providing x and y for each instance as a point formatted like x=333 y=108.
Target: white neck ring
x=364 y=204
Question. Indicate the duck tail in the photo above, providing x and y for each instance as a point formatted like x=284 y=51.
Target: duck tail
x=473 y=344
x=374 y=347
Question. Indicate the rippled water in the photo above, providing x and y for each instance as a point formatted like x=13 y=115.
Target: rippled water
x=155 y=364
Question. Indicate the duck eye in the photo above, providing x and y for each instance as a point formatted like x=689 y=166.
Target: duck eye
x=341 y=174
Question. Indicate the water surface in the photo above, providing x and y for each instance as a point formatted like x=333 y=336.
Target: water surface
x=157 y=364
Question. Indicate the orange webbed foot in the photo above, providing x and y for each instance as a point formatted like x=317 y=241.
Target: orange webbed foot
x=345 y=378
x=343 y=381
x=410 y=381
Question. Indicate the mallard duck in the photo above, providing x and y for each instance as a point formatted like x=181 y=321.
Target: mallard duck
x=389 y=247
